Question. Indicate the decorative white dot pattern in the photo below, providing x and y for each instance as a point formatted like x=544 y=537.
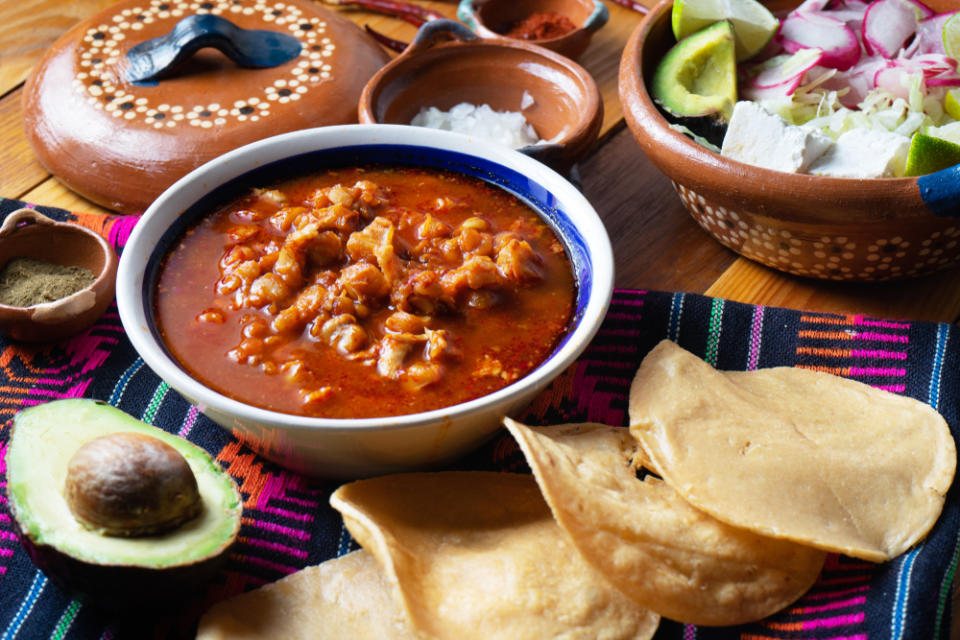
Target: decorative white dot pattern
x=99 y=51
x=839 y=257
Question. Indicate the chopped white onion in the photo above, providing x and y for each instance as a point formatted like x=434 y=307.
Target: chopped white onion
x=509 y=128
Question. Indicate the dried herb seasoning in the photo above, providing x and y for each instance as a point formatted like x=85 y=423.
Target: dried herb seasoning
x=25 y=282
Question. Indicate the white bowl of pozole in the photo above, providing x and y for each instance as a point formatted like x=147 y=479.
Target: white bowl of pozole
x=361 y=299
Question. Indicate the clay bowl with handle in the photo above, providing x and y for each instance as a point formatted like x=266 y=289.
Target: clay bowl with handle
x=841 y=229
x=30 y=234
x=447 y=64
x=495 y=18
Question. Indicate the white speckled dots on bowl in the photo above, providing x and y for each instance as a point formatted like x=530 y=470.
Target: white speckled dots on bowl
x=856 y=253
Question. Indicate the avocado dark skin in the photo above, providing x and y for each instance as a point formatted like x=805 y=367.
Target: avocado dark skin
x=123 y=589
x=131 y=482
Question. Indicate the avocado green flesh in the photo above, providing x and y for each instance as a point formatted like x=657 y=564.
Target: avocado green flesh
x=44 y=439
x=698 y=75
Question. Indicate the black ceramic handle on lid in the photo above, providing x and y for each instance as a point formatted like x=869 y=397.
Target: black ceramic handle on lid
x=255 y=48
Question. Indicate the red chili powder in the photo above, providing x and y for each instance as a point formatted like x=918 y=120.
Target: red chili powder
x=541 y=25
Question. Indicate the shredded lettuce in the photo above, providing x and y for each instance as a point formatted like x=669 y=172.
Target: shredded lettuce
x=698 y=139
x=815 y=106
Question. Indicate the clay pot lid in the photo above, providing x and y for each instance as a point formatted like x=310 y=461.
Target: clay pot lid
x=28 y=234
x=120 y=143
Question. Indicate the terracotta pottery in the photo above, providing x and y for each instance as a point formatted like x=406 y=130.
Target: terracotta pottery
x=493 y=18
x=28 y=234
x=830 y=228
x=120 y=143
x=566 y=106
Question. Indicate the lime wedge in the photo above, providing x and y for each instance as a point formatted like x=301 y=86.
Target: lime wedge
x=928 y=154
x=753 y=24
x=951 y=103
x=951 y=36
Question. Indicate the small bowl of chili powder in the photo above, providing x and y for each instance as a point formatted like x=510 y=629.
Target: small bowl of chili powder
x=56 y=278
x=564 y=26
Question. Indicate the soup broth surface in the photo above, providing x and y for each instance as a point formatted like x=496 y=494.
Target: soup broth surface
x=364 y=292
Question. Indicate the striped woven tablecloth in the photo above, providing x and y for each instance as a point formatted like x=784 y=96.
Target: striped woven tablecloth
x=288 y=524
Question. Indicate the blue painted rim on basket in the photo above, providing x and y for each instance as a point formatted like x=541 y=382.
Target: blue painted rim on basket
x=531 y=192
x=940 y=191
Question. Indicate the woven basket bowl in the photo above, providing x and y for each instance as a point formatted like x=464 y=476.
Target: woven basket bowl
x=829 y=228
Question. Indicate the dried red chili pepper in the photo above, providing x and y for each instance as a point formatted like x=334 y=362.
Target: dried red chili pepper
x=633 y=6
x=541 y=25
x=414 y=14
x=386 y=41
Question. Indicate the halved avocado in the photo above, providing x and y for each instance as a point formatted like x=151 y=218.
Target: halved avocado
x=697 y=77
x=146 y=533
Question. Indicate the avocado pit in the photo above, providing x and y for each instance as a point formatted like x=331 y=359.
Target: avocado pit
x=131 y=484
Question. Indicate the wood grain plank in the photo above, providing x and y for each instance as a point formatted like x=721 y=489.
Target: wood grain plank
x=602 y=60
x=656 y=244
x=935 y=297
x=28 y=28
x=53 y=194
x=21 y=169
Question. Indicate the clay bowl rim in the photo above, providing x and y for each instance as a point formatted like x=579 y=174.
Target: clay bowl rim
x=688 y=163
x=153 y=235
x=26 y=218
x=583 y=132
x=471 y=13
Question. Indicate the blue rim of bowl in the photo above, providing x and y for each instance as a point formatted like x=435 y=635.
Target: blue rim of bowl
x=545 y=203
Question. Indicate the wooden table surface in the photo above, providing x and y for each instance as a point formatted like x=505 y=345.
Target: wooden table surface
x=657 y=245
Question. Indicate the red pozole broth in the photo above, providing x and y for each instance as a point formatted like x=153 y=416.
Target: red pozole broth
x=366 y=292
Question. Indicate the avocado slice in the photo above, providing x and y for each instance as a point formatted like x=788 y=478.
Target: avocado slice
x=697 y=77
x=103 y=556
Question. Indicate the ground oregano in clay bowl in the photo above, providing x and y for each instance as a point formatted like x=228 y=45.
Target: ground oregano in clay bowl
x=56 y=278
x=25 y=282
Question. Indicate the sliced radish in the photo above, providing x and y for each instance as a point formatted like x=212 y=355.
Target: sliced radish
x=777 y=92
x=813 y=6
x=935 y=63
x=888 y=24
x=939 y=70
x=936 y=71
x=944 y=81
x=892 y=78
x=785 y=69
x=809 y=29
x=851 y=12
x=859 y=79
x=930 y=33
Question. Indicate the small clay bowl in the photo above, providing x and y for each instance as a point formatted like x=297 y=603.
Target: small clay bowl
x=28 y=234
x=494 y=18
x=841 y=229
x=447 y=64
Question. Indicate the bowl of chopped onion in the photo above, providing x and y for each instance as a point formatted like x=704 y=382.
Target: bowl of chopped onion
x=515 y=93
x=815 y=157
